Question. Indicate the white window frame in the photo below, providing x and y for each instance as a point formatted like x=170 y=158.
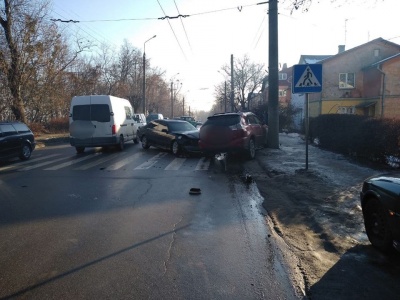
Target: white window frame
x=282 y=76
x=282 y=93
x=346 y=110
x=345 y=82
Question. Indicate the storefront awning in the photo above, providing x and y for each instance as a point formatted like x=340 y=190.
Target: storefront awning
x=366 y=104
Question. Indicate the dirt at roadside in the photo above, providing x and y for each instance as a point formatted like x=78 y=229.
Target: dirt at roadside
x=317 y=214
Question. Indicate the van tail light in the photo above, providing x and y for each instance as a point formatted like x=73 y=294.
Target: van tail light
x=114 y=129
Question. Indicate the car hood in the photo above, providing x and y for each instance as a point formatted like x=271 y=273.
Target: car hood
x=194 y=134
x=389 y=182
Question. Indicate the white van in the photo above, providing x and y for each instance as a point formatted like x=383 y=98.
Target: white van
x=101 y=120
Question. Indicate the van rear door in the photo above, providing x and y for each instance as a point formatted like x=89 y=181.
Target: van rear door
x=102 y=119
x=90 y=122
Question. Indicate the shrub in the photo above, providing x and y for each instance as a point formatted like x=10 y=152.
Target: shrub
x=363 y=137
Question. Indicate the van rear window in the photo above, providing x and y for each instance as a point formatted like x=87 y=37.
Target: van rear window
x=94 y=112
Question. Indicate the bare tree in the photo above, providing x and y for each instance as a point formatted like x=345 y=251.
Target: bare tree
x=33 y=57
x=248 y=78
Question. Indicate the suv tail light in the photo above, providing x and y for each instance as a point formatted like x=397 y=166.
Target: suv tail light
x=114 y=129
x=238 y=130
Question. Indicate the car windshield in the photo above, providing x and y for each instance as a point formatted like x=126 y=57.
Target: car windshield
x=180 y=126
x=226 y=120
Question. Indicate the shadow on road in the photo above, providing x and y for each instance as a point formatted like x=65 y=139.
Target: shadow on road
x=361 y=273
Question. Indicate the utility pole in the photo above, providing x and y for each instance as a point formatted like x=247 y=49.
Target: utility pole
x=225 y=97
x=172 y=99
x=232 y=86
x=273 y=78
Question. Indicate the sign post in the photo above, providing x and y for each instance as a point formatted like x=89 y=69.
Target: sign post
x=307 y=79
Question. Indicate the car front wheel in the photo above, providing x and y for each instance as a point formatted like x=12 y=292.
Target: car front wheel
x=145 y=143
x=377 y=225
x=26 y=152
x=175 y=148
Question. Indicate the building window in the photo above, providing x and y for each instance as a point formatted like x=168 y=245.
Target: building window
x=346 y=110
x=282 y=93
x=376 y=52
x=346 y=81
x=282 y=76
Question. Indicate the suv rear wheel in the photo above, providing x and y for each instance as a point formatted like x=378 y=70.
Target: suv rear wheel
x=251 y=152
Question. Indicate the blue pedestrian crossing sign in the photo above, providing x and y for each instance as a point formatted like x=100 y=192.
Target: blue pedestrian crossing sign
x=307 y=78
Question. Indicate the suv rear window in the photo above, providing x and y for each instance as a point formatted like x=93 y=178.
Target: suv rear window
x=7 y=129
x=223 y=120
x=22 y=128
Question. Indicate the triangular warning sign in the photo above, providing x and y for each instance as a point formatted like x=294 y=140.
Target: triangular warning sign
x=307 y=79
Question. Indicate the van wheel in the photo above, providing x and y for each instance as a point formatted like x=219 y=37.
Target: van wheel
x=80 y=149
x=121 y=143
x=26 y=152
x=145 y=143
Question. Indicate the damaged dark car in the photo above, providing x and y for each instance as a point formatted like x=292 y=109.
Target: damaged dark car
x=380 y=202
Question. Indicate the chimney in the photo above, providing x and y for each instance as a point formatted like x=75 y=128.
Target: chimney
x=341 y=48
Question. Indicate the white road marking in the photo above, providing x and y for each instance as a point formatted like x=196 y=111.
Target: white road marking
x=97 y=162
x=175 y=164
x=26 y=162
x=71 y=162
x=151 y=162
x=203 y=164
x=119 y=164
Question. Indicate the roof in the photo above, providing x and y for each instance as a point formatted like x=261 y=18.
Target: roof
x=378 y=40
x=312 y=59
x=385 y=60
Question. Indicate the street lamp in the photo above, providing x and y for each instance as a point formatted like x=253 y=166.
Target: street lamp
x=144 y=74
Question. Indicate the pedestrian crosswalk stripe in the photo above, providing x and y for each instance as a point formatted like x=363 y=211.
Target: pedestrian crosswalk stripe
x=119 y=164
x=26 y=162
x=70 y=163
x=203 y=164
x=96 y=162
x=151 y=162
x=175 y=164
x=41 y=164
x=121 y=160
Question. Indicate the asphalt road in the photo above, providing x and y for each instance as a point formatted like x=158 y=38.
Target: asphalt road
x=122 y=225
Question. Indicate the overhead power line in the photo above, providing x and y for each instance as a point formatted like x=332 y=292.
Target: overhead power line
x=176 y=38
x=184 y=29
x=165 y=17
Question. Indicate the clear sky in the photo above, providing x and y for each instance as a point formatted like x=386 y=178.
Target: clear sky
x=198 y=45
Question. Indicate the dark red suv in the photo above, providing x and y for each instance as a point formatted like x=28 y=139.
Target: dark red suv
x=241 y=132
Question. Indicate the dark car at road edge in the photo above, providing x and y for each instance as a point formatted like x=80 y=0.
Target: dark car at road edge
x=380 y=202
x=16 y=140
